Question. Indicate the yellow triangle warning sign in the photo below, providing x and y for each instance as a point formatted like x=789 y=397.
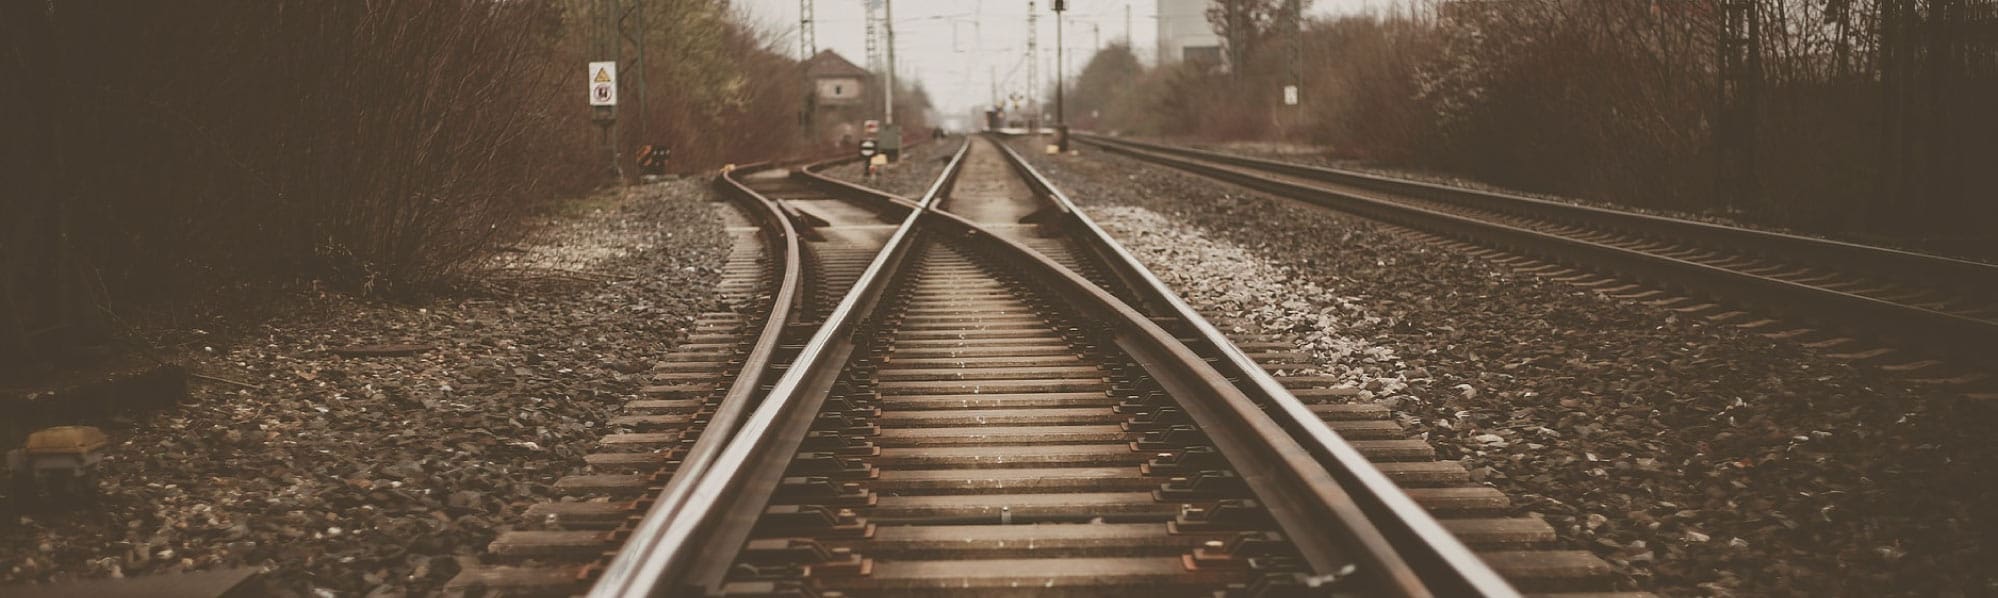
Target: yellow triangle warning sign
x=603 y=76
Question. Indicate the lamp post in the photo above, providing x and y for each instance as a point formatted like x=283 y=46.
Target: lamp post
x=1061 y=74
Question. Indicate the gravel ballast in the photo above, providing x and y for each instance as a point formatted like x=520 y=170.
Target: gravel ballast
x=1698 y=459
x=1312 y=155
x=357 y=475
x=909 y=178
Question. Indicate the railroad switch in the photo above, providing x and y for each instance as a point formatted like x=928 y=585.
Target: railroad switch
x=819 y=490
x=1207 y=485
x=59 y=461
x=1228 y=514
x=812 y=520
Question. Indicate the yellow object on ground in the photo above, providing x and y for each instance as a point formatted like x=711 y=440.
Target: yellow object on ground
x=66 y=440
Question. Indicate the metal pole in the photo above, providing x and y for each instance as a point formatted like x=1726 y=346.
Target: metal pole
x=888 y=25
x=873 y=35
x=808 y=37
x=1061 y=81
x=1033 y=72
x=808 y=47
x=1297 y=51
x=616 y=25
x=605 y=45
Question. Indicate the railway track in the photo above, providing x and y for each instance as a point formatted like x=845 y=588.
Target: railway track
x=796 y=250
x=1940 y=314
x=1006 y=403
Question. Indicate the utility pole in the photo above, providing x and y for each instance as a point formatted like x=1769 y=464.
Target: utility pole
x=888 y=24
x=808 y=37
x=1128 y=42
x=604 y=45
x=808 y=47
x=1033 y=74
x=1296 y=95
x=891 y=135
x=1061 y=82
x=991 y=70
x=873 y=35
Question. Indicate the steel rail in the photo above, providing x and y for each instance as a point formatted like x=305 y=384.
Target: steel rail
x=700 y=513
x=1447 y=567
x=737 y=402
x=1948 y=332
x=1314 y=512
x=623 y=568
x=715 y=517
x=1968 y=276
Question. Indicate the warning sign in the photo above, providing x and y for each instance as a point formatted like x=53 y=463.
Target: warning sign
x=603 y=84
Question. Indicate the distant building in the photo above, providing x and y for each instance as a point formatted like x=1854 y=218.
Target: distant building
x=843 y=96
x=1184 y=33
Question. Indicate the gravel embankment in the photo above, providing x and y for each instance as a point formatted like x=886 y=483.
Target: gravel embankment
x=347 y=476
x=1698 y=459
x=1322 y=156
x=910 y=177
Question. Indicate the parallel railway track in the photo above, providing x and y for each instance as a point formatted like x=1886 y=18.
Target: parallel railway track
x=1931 y=307
x=1006 y=403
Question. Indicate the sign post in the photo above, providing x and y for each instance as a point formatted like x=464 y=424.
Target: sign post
x=1290 y=95
x=602 y=77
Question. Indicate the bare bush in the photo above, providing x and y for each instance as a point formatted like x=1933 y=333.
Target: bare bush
x=171 y=152
x=1863 y=118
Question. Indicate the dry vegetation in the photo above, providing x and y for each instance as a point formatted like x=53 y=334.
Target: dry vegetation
x=1868 y=119
x=161 y=155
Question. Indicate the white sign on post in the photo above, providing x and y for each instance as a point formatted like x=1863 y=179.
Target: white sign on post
x=603 y=84
x=1290 y=95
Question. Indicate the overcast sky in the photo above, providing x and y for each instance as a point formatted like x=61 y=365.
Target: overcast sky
x=958 y=47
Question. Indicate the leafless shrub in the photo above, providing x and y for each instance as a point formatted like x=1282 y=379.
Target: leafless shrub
x=169 y=149
x=1859 y=117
